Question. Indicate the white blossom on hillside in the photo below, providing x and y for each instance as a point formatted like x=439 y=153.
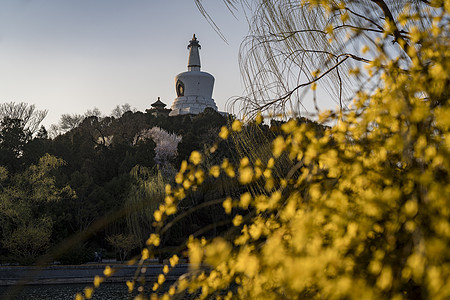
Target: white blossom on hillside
x=166 y=143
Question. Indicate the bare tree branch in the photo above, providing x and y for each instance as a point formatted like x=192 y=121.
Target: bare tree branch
x=31 y=116
x=398 y=37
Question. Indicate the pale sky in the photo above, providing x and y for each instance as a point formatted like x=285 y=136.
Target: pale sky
x=68 y=56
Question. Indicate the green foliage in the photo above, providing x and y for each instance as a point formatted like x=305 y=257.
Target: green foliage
x=28 y=241
x=13 y=138
x=26 y=227
x=123 y=244
x=78 y=177
x=144 y=197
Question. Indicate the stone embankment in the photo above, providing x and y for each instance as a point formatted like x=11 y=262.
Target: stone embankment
x=63 y=274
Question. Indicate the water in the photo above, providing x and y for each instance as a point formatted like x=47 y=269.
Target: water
x=68 y=291
x=107 y=290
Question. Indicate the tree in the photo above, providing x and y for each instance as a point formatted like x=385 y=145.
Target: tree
x=26 y=226
x=68 y=122
x=123 y=244
x=13 y=138
x=144 y=196
x=295 y=45
x=29 y=241
x=166 y=146
x=119 y=110
x=42 y=134
x=363 y=210
x=30 y=116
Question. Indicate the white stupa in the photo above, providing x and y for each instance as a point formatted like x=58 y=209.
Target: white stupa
x=194 y=88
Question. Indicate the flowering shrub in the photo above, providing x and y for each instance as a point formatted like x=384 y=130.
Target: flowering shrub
x=364 y=213
x=166 y=143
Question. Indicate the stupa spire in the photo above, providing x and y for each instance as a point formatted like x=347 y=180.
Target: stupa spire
x=194 y=56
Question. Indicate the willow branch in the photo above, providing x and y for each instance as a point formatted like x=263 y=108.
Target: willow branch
x=398 y=37
x=289 y=94
x=365 y=18
x=340 y=88
x=357 y=27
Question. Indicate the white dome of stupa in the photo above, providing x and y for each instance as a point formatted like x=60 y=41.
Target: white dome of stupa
x=194 y=88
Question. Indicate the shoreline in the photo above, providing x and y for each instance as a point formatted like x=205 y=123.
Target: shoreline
x=73 y=274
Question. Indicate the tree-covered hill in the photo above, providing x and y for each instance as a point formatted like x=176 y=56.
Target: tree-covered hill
x=105 y=165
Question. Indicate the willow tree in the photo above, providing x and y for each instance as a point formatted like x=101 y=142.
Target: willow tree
x=293 y=46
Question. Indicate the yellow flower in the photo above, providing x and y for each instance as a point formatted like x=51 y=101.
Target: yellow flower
x=88 y=292
x=200 y=176
x=230 y=172
x=108 y=271
x=364 y=49
x=278 y=146
x=172 y=291
x=179 y=178
x=411 y=208
x=168 y=189
x=246 y=198
x=317 y=72
x=97 y=281
x=244 y=162
x=186 y=184
x=245 y=175
x=195 y=158
x=223 y=134
x=227 y=205
x=237 y=220
x=170 y=210
x=183 y=167
x=165 y=297
x=78 y=296
x=153 y=240
x=438 y=73
x=259 y=118
x=214 y=171
x=271 y=163
x=247 y=263
x=217 y=251
x=166 y=269
x=225 y=163
x=354 y=71
x=344 y=17
x=169 y=200
x=442 y=118
x=289 y=126
x=195 y=252
x=236 y=126
x=385 y=279
x=145 y=254
x=173 y=261
x=161 y=279
x=130 y=285
x=157 y=215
